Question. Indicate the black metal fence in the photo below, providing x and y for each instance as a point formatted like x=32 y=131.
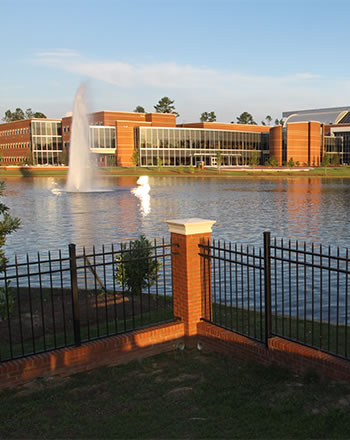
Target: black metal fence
x=64 y=299
x=288 y=289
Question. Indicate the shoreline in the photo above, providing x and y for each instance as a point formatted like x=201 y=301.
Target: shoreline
x=258 y=172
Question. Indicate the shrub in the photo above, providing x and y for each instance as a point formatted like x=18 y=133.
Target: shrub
x=219 y=159
x=159 y=162
x=136 y=267
x=254 y=159
x=272 y=162
x=291 y=163
x=336 y=160
x=135 y=158
x=325 y=161
x=7 y=302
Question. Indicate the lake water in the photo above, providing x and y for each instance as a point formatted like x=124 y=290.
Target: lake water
x=310 y=209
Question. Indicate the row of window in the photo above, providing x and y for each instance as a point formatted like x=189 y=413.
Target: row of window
x=14 y=131
x=200 y=139
x=47 y=157
x=46 y=128
x=176 y=157
x=47 y=143
x=15 y=145
x=13 y=159
x=101 y=137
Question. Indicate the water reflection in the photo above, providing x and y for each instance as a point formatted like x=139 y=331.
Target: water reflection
x=308 y=209
x=142 y=193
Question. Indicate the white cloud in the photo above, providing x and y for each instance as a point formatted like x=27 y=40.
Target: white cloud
x=199 y=89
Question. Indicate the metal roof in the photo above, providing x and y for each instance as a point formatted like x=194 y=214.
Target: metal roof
x=333 y=115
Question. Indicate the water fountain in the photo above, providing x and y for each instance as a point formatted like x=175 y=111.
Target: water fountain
x=80 y=165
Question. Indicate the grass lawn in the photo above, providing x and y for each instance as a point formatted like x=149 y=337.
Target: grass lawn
x=179 y=395
x=343 y=172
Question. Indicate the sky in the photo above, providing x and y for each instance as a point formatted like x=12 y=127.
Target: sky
x=226 y=56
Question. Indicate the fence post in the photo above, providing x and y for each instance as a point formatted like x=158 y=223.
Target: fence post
x=267 y=278
x=188 y=289
x=75 y=295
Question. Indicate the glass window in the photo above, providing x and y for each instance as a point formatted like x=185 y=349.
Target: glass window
x=166 y=138
x=177 y=139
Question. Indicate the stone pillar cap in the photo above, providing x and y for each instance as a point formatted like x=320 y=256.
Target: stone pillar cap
x=190 y=226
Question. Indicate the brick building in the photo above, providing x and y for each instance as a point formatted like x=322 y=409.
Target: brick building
x=114 y=137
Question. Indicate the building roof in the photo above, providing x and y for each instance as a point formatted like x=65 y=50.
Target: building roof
x=335 y=115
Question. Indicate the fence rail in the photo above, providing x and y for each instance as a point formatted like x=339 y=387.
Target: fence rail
x=288 y=289
x=59 y=300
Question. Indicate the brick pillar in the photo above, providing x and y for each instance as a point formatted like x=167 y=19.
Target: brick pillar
x=190 y=288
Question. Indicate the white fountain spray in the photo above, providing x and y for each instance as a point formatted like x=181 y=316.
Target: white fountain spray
x=80 y=164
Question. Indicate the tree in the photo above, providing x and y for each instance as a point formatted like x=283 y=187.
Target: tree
x=166 y=105
x=135 y=159
x=336 y=160
x=219 y=159
x=254 y=159
x=326 y=160
x=279 y=121
x=245 y=118
x=139 y=109
x=272 y=162
x=8 y=225
x=63 y=157
x=208 y=117
x=28 y=159
x=159 y=163
x=267 y=120
x=291 y=163
x=136 y=267
x=19 y=114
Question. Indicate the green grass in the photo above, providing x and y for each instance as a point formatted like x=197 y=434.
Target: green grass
x=326 y=337
x=92 y=331
x=341 y=172
x=179 y=395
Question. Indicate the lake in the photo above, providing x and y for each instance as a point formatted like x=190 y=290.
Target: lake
x=311 y=209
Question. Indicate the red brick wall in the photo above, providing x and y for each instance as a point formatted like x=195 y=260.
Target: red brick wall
x=304 y=142
x=161 y=119
x=298 y=142
x=276 y=143
x=188 y=280
x=289 y=354
x=314 y=143
x=125 y=142
x=15 y=141
x=110 y=351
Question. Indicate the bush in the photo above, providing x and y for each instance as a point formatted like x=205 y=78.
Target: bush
x=336 y=160
x=291 y=163
x=325 y=161
x=272 y=162
x=137 y=269
x=254 y=159
x=219 y=159
x=135 y=159
x=159 y=162
x=6 y=304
